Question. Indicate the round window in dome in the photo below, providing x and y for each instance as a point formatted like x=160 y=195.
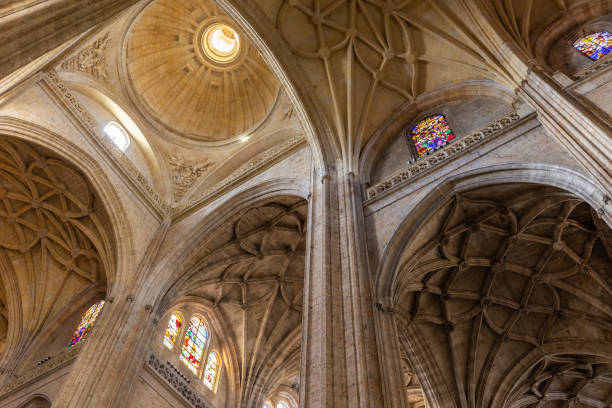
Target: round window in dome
x=221 y=43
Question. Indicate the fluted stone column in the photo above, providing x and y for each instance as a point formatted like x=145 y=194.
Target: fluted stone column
x=340 y=365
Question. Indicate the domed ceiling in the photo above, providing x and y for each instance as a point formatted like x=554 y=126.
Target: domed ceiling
x=195 y=73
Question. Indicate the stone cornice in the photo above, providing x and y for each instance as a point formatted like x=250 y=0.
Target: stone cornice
x=174 y=380
x=594 y=68
x=440 y=156
x=248 y=170
x=136 y=181
x=53 y=364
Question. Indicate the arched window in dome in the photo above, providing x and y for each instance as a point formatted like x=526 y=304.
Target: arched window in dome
x=282 y=404
x=266 y=405
x=87 y=321
x=211 y=370
x=117 y=135
x=595 y=45
x=431 y=133
x=172 y=330
x=194 y=343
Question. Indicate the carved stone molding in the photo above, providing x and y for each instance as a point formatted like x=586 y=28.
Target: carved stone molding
x=594 y=68
x=169 y=375
x=59 y=90
x=247 y=170
x=442 y=155
x=91 y=60
x=52 y=364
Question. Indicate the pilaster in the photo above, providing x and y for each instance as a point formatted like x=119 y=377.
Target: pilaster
x=340 y=365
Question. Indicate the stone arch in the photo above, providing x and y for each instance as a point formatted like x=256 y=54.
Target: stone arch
x=408 y=112
x=518 y=384
x=567 y=29
x=102 y=231
x=38 y=401
x=94 y=173
x=247 y=264
x=437 y=390
x=538 y=173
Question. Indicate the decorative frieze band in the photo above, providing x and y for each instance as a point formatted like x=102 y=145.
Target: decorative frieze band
x=59 y=89
x=51 y=364
x=169 y=374
x=441 y=155
x=594 y=68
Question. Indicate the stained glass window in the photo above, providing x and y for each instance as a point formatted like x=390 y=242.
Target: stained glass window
x=595 y=45
x=87 y=321
x=211 y=369
x=266 y=405
x=194 y=343
x=430 y=134
x=172 y=331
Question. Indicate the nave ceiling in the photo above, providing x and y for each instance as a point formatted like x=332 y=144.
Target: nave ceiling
x=249 y=273
x=56 y=240
x=199 y=124
x=196 y=125
x=503 y=296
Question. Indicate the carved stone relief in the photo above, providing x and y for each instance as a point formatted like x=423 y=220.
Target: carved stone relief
x=185 y=173
x=91 y=60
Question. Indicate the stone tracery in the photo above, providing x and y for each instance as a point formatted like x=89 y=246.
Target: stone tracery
x=501 y=272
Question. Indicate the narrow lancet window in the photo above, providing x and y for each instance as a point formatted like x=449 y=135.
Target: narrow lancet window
x=172 y=331
x=431 y=133
x=194 y=343
x=87 y=321
x=596 y=45
x=211 y=370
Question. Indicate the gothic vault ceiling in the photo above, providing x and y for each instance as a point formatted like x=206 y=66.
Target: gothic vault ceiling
x=503 y=273
x=252 y=271
x=186 y=90
x=54 y=236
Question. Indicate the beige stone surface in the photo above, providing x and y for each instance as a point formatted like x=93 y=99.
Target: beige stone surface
x=278 y=197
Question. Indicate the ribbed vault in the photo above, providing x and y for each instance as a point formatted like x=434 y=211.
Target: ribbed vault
x=54 y=238
x=251 y=269
x=503 y=272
